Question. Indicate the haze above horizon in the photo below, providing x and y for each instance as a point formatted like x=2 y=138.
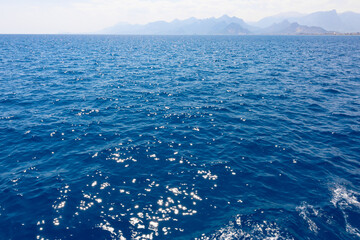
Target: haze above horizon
x=82 y=16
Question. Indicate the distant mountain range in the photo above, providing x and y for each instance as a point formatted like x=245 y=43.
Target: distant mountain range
x=291 y=23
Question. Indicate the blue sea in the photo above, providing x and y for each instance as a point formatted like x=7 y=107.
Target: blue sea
x=179 y=137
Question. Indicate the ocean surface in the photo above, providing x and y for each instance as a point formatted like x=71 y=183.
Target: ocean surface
x=179 y=137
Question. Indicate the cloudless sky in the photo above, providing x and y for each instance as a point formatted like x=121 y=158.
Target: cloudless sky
x=83 y=16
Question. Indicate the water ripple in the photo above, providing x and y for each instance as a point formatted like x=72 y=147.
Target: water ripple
x=164 y=137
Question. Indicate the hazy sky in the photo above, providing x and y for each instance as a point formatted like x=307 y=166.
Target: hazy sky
x=71 y=16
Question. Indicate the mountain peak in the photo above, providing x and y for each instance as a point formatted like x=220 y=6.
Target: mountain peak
x=225 y=16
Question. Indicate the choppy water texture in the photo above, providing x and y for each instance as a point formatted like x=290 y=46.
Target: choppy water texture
x=134 y=137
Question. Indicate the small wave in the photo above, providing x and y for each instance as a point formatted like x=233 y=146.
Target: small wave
x=248 y=229
x=347 y=201
x=306 y=211
x=343 y=197
x=331 y=90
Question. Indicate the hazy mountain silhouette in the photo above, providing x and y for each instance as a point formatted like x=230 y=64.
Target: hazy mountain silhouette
x=192 y=26
x=268 y=21
x=285 y=23
x=351 y=21
x=287 y=28
x=328 y=20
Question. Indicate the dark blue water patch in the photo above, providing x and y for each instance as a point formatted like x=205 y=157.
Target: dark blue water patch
x=179 y=137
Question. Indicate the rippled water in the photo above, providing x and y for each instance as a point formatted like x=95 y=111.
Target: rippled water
x=134 y=137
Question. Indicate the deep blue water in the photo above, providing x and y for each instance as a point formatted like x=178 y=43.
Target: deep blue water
x=144 y=137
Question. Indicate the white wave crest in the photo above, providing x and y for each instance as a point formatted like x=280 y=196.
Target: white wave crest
x=306 y=211
x=247 y=230
x=346 y=200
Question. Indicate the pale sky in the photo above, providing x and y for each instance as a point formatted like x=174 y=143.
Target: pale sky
x=81 y=16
